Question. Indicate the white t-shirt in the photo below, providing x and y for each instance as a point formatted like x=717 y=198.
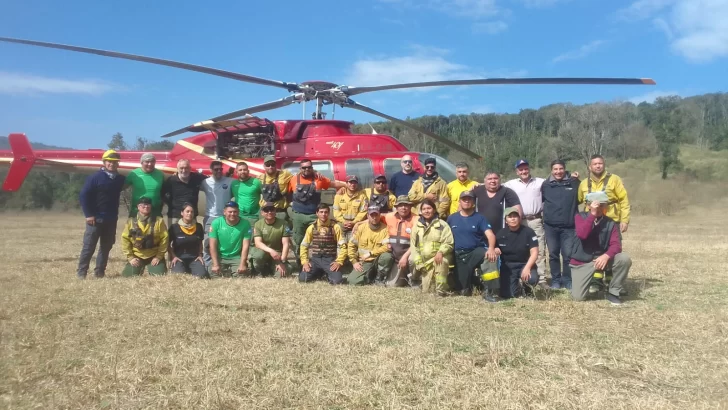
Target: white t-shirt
x=217 y=193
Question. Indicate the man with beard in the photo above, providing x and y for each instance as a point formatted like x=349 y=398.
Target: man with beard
x=180 y=189
x=146 y=181
x=492 y=198
x=229 y=243
x=402 y=181
x=432 y=187
x=560 y=205
x=246 y=192
x=473 y=256
x=460 y=185
x=368 y=251
x=601 y=180
x=144 y=241
x=306 y=187
x=325 y=242
x=350 y=207
x=272 y=241
x=217 y=191
x=275 y=187
x=380 y=196
x=99 y=199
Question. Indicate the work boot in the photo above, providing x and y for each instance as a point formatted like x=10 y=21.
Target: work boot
x=614 y=300
x=489 y=297
x=466 y=292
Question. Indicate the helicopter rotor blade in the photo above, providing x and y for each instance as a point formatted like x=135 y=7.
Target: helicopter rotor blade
x=250 y=110
x=503 y=81
x=185 y=66
x=355 y=105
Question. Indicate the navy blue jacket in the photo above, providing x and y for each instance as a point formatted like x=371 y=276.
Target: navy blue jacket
x=560 y=202
x=400 y=183
x=100 y=195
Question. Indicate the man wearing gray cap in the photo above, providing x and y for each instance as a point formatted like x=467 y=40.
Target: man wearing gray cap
x=369 y=251
x=146 y=181
x=597 y=249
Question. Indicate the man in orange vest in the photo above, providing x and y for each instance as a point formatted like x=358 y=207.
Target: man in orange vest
x=400 y=224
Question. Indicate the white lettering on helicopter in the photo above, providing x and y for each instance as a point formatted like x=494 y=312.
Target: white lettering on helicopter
x=335 y=145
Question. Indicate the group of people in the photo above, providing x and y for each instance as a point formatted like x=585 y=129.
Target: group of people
x=417 y=230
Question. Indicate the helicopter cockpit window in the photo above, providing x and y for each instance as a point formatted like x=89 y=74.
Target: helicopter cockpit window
x=445 y=168
x=363 y=169
x=325 y=168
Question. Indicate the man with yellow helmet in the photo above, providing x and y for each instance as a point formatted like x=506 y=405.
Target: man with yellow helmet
x=100 y=203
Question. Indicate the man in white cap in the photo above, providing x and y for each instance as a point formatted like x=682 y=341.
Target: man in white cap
x=598 y=249
x=146 y=181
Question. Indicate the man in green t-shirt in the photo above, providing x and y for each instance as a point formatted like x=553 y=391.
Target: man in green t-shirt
x=272 y=238
x=229 y=243
x=146 y=181
x=246 y=192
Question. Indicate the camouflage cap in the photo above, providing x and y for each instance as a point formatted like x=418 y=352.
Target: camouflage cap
x=599 y=196
x=402 y=199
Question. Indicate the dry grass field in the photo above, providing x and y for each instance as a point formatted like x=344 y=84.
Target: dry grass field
x=174 y=342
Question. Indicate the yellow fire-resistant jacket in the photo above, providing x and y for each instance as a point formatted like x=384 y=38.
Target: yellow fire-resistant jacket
x=284 y=177
x=308 y=237
x=439 y=188
x=427 y=241
x=454 y=189
x=367 y=243
x=161 y=241
x=350 y=207
x=391 y=201
x=618 y=202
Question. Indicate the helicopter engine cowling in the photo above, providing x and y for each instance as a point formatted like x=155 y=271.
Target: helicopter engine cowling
x=248 y=145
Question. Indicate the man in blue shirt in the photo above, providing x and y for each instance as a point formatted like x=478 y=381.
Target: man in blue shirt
x=472 y=256
x=401 y=182
x=100 y=203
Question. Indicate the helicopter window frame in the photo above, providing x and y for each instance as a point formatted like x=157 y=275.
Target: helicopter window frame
x=362 y=168
x=386 y=164
x=327 y=170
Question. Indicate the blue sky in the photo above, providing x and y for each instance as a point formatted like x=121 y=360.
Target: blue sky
x=77 y=100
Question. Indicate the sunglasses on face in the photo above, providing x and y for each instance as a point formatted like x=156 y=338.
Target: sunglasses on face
x=269 y=210
x=406 y=161
x=270 y=164
x=429 y=167
x=306 y=167
x=380 y=182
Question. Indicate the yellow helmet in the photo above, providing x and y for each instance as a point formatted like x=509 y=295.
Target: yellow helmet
x=111 y=155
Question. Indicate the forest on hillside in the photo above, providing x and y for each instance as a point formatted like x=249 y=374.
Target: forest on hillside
x=617 y=130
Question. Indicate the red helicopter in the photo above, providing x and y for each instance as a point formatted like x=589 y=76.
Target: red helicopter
x=239 y=136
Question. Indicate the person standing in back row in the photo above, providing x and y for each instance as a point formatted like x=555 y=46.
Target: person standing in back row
x=492 y=198
x=560 y=205
x=431 y=186
x=246 y=192
x=275 y=187
x=99 y=199
x=146 y=181
x=401 y=182
x=460 y=185
x=601 y=180
x=180 y=189
x=218 y=191
x=528 y=189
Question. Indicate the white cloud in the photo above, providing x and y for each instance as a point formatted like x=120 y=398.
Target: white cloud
x=651 y=96
x=581 y=52
x=491 y=27
x=696 y=29
x=15 y=83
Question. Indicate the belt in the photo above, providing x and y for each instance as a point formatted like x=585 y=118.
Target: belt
x=534 y=216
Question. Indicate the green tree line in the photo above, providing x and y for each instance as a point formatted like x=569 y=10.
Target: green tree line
x=617 y=130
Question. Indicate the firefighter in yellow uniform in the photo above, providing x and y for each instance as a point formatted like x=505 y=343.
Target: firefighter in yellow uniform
x=323 y=249
x=144 y=242
x=432 y=251
x=430 y=186
x=380 y=195
x=275 y=188
x=351 y=206
x=601 y=180
x=369 y=252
